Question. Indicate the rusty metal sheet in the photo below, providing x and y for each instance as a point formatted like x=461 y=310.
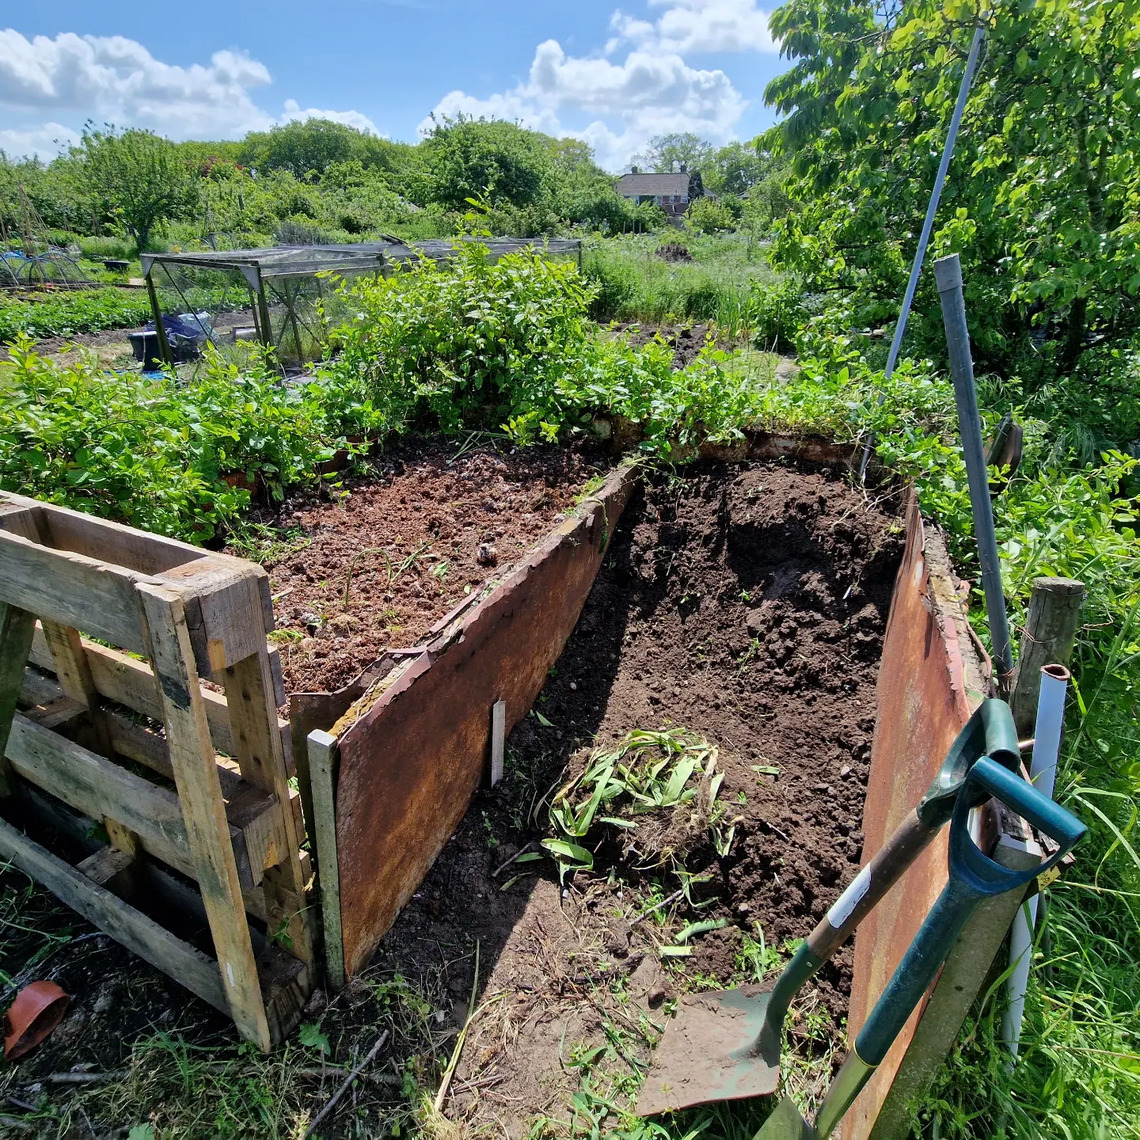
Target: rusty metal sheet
x=411 y=760
x=929 y=682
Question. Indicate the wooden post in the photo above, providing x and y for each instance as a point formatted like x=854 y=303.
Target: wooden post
x=1050 y=627
x=322 y=761
x=16 y=629
x=204 y=810
x=261 y=757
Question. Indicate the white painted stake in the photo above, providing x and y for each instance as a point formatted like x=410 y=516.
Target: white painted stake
x=1043 y=773
x=498 y=739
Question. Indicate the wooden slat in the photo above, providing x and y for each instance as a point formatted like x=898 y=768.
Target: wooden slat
x=105 y=540
x=140 y=934
x=71 y=589
x=81 y=827
x=261 y=758
x=99 y=787
x=130 y=682
x=322 y=763
x=106 y=865
x=245 y=805
x=16 y=627
x=196 y=777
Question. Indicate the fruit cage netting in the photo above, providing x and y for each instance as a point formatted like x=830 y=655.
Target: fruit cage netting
x=286 y=298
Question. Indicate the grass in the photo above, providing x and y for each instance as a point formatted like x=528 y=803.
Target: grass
x=637 y=285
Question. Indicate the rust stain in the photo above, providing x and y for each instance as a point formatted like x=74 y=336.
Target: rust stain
x=411 y=759
x=929 y=682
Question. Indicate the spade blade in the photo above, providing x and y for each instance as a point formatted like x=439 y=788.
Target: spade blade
x=707 y=1053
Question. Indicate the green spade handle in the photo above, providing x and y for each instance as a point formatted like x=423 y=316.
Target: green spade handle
x=989 y=732
x=973 y=877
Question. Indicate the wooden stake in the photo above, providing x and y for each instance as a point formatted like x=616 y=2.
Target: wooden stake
x=1050 y=627
x=322 y=764
x=261 y=756
x=498 y=739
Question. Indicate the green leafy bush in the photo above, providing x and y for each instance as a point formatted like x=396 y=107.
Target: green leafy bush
x=473 y=343
x=149 y=451
x=61 y=314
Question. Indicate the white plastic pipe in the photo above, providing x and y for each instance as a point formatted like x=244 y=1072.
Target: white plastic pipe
x=1043 y=773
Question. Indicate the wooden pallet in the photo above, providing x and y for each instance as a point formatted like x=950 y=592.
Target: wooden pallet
x=189 y=780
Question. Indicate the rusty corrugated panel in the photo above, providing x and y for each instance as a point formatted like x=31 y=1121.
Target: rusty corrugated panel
x=412 y=755
x=929 y=682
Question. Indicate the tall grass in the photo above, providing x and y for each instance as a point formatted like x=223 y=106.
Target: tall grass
x=635 y=284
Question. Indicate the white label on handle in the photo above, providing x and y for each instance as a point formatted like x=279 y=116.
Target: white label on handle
x=843 y=906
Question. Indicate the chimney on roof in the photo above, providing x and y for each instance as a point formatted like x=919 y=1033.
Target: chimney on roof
x=684 y=168
x=634 y=170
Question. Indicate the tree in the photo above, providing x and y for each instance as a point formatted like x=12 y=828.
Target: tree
x=734 y=169
x=488 y=160
x=1042 y=196
x=306 y=148
x=135 y=178
x=666 y=153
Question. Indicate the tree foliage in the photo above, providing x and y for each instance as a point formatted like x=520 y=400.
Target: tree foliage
x=488 y=160
x=311 y=146
x=135 y=178
x=1043 y=194
x=665 y=153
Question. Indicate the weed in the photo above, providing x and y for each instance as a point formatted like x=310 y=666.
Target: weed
x=647 y=772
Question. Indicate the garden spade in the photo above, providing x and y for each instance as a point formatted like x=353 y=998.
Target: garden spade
x=726 y=1045
x=973 y=876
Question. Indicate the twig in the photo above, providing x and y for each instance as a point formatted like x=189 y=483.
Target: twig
x=330 y=1104
x=657 y=906
x=84 y=1078
x=531 y=846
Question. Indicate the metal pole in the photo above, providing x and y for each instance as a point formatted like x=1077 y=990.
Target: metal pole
x=948 y=275
x=1043 y=772
x=928 y=224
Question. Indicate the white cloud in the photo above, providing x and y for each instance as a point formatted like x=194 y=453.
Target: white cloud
x=695 y=26
x=44 y=141
x=117 y=80
x=650 y=92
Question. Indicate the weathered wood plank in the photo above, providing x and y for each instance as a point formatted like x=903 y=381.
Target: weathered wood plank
x=140 y=934
x=16 y=627
x=107 y=865
x=196 y=777
x=259 y=751
x=72 y=590
x=247 y=807
x=105 y=540
x=130 y=682
x=99 y=787
x=322 y=772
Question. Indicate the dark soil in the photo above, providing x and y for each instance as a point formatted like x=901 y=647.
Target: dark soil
x=686 y=341
x=747 y=606
x=422 y=531
x=673 y=251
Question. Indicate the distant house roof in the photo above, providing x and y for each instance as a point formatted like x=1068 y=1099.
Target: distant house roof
x=652 y=185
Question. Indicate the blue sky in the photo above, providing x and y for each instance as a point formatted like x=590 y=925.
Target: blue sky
x=614 y=74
